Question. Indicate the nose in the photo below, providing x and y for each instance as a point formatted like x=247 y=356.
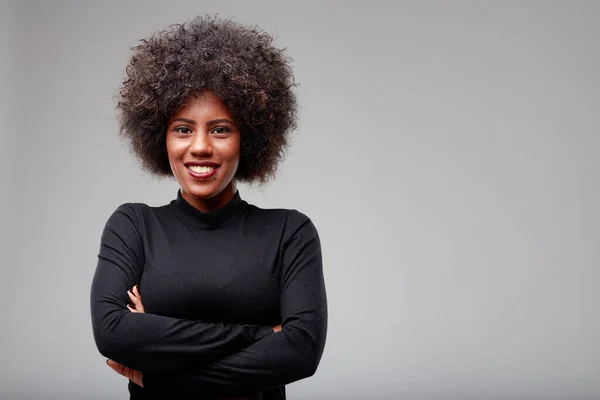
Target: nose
x=201 y=145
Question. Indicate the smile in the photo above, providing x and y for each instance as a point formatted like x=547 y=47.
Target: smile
x=200 y=169
x=201 y=172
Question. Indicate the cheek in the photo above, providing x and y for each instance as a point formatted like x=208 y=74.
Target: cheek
x=231 y=150
x=169 y=145
x=236 y=148
x=174 y=148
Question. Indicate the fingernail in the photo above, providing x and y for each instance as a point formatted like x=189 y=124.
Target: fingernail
x=106 y=362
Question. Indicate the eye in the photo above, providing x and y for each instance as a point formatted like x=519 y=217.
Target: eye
x=221 y=130
x=183 y=129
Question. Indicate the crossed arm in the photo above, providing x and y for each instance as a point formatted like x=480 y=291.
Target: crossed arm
x=138 y=307
x=215 y=358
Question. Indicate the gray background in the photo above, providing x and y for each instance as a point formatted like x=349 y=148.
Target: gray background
x=447 y=153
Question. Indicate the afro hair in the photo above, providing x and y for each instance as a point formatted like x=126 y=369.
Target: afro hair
x=237 y=63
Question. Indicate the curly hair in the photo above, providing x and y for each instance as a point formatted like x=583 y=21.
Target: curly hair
x=237 y=63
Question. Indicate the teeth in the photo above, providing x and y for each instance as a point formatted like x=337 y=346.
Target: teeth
x=200 y=170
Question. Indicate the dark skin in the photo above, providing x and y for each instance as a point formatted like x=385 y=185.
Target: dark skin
x=203 y=131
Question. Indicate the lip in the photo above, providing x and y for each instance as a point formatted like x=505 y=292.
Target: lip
x=202 y=164
x=199 y=176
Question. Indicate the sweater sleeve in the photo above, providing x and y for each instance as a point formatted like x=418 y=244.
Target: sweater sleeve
x=284 y=357
x=146 y=341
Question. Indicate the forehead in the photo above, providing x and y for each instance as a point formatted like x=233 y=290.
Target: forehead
x=204 y=107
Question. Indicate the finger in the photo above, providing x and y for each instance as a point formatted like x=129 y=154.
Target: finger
x=136 y=292
x=136 y=302
x=131 y=309
x=116 y=366
x=121 y=369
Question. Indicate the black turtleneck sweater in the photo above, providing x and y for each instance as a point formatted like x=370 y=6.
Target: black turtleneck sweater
x=213 y=285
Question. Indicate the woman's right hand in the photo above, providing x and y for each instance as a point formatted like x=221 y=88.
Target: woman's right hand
x=277 y=328
x=135 y=376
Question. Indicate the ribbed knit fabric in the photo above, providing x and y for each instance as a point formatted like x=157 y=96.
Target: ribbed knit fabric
x=213 y=285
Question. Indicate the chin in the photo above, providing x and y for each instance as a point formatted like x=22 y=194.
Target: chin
x=206 y=192
x=205 y=188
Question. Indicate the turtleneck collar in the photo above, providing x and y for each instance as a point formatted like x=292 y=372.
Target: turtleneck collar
x=209 y=220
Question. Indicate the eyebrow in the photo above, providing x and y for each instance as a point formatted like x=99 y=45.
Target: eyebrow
x=211 y=122
x=187 y=121
x=219 y=121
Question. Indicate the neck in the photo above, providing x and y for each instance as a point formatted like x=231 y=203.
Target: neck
x=207 y=205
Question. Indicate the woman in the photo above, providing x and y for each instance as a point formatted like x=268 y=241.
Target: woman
x=209 y=296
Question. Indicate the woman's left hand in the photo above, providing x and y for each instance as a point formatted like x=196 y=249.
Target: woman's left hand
x=131 y=374
x=136 y=300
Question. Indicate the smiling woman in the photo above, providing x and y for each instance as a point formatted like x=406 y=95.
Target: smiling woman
x=209 y=296
x=203 y=146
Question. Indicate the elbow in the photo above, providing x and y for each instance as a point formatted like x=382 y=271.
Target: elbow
x=108 y=345
x=310 y=365
x=313 y=357
x=108 y=342
x=309 y=358
x=303 y=368
x=106 y=351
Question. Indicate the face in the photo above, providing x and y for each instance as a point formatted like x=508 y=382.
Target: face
x=203 y=145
